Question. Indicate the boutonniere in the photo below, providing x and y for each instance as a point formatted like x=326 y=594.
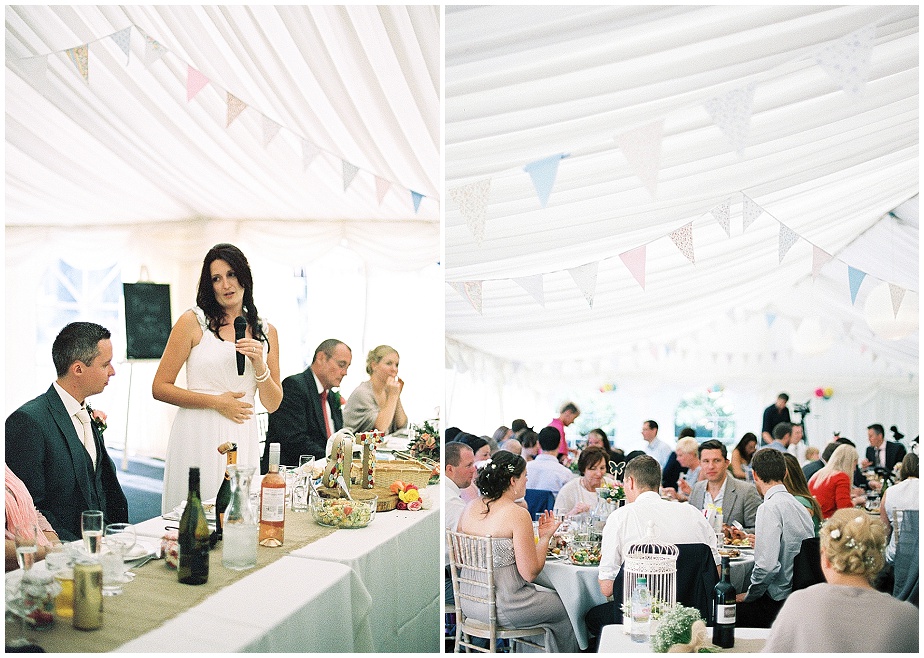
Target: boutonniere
x=98 y=418
x=335 y=397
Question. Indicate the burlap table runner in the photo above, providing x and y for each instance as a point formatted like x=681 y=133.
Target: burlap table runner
x=156 y=596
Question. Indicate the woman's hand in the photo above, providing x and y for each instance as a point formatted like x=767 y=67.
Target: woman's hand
x=548 y=524
x=684 y=487
x=253 y=350
x=393 y=387
x=579 y=508
x=230 y=406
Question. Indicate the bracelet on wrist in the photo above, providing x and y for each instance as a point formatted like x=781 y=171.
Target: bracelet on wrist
x=263 y=377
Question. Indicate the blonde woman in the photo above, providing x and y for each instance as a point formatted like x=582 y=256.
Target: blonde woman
x=847 y=615
x=376 y=403
x=831 y=486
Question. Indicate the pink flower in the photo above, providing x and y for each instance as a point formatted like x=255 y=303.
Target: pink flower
x=414 y=505
x=401 y=505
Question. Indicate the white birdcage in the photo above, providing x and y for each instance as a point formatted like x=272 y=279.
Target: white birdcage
x=657 y=562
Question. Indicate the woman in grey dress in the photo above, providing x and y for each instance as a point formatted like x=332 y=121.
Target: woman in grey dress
x=376 y=403
x=518 y=559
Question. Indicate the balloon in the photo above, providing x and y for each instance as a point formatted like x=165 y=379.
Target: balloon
x=819 y=392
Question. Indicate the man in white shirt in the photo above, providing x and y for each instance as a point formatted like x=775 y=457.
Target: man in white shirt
x=655 y=447
x=545 y=472
x=460 y=470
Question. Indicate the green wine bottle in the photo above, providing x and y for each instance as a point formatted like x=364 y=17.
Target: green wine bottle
x=193 y=537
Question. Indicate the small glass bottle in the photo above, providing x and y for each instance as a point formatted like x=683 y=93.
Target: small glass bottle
x=641 y=610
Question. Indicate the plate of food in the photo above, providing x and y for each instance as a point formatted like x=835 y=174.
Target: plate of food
x=585 y=554
x=739 y=544
x=731 y=553
x=554 y=554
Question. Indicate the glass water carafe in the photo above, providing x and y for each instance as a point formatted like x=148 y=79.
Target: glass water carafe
x=241 y=529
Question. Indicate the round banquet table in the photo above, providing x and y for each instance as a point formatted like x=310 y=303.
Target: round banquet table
x=579 y=587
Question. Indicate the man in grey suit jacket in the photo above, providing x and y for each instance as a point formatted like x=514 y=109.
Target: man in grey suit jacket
x=739 y=500
x=299 y=425
x=67 y=471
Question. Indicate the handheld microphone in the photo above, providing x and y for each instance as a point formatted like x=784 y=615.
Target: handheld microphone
x=240 y=326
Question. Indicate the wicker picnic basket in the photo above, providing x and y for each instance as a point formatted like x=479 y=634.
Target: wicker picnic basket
x=405 y=470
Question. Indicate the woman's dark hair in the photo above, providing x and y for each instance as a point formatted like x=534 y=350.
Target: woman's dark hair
x=205 y=297
x=606 y=440
x=745 y=440
x=591 y=456
x=472 y=441
x=494 y=479
x=529 y=438
x=687 y=431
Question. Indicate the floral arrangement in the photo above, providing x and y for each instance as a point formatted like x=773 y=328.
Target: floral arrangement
x=677 y=627
x=408 y=496
x=425 y=442
x=611 y=493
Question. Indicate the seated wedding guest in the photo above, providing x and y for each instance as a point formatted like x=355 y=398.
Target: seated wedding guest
x=741 y=455
x=512 y=445
x=819 y=463
x=811 y=454
x=782 y=523
x=901 y=496
x=847 y=615
x=580 y=494
x=672 y=470
x=831 y=485
x=460 y=471
x=518 y=426
x=545 y=472
x=782 y=434
x=672 y=523
x=518 y=559
x=20 y=511
x=479 y=446
x=795 y=483
x=597 y=438
x=309 y=413
x=530 y=442
x=54 y=447
x=452 y=433
x=739 y=500
x=687 y=452
x=376 y=403
x=501 y=434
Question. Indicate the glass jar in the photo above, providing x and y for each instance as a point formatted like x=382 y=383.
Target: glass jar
x=39 y=590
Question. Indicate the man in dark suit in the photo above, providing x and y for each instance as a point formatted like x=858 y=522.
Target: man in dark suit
x=53 y=445
x=881 y=452
x=309 y=413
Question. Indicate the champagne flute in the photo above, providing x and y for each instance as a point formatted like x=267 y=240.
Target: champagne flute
x=25 y=536
x=91 y=528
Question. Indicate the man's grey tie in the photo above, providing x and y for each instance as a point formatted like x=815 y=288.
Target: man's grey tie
x=84 y=417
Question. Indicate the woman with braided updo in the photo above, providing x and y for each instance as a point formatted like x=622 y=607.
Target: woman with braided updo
x=845 y=614
x=518 y=559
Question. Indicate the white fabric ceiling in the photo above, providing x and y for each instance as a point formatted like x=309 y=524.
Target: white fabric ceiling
x=525 y=83
x=359 y=84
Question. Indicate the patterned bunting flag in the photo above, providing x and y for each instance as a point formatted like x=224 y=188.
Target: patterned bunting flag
x=642 y=148
x=270 y=130
x=381 y=188
x=847 y=60
x=585 y=277
x=81 y=59
x=235 y=107
x=788 y=238
x=349 y=173
x=751 y=210
x=415 y=198
x=634 y=260
x=683 y=238
x=721 y=213
x=309 y=153
x=732 y=114
x=543 y=174
x=472 y=200
x=855 y=277
x=153 y=50
x=820 y=258
x=471 y=290
x=898 y=294
x=533 y=285
x=195 y=82
x=123 y=39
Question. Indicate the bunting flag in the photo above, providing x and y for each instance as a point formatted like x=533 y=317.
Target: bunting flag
x=80 y=56
x=771 y=318
x=471 y=290
x=856 y=278
x=847 y=60
x=634 y=260
x=123 y=39
x=820 y=258
x=235 y=107
x=309 y=153
x=585 y=277
x=898 y=294
x=533 y=285
x=349 y=173
x=732 y=114
x=642 y=148
x=270 y=130
x=722 y=216
x=195 y=82
x=543 y=173
x=751 y=210
x=788 y=238
x=35 y=69
x=381 y=188
x=472 y=200
x=153 y=50
x=415 y=198
x=683 y=238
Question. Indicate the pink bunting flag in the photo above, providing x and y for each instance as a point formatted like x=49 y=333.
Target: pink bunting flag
x=722 y=215
x=472 y=200
x=349 y=173
x=309 y=153
x=820 y=258
x=195 y=82
x=470 y=290
x=235 y=107
x=751 y=210
x=898 y=294
x=634 y=260
x=381 y=188
x=270 y=130
x=731 y=113
x=642 y=148
x=847 y=60
x=533 y=285
x=80 y=56
x=788 y=238
x=153 y=50
x=585 y=277
x=683 y=238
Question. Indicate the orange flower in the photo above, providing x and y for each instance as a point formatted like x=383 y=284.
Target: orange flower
x=396 y=486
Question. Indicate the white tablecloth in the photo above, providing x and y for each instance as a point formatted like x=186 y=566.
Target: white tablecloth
x=614 y=640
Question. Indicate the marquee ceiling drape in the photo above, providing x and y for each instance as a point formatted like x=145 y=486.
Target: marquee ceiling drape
x=719 y=175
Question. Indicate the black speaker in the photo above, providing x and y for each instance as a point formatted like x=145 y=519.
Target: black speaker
x=147 y=319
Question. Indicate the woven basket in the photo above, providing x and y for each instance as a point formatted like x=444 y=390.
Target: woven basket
x=387 y=500
x=408 y=472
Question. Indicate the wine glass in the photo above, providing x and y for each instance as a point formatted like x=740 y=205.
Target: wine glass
x=91 y=528
x=16 y=612
x=56 y=557
x=123 y=537
x=25 y=535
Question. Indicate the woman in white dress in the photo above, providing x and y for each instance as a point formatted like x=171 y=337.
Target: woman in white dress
x=217 y=404
x=580 y=494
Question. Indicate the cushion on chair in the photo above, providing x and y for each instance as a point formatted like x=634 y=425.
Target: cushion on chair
x=539 y=500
